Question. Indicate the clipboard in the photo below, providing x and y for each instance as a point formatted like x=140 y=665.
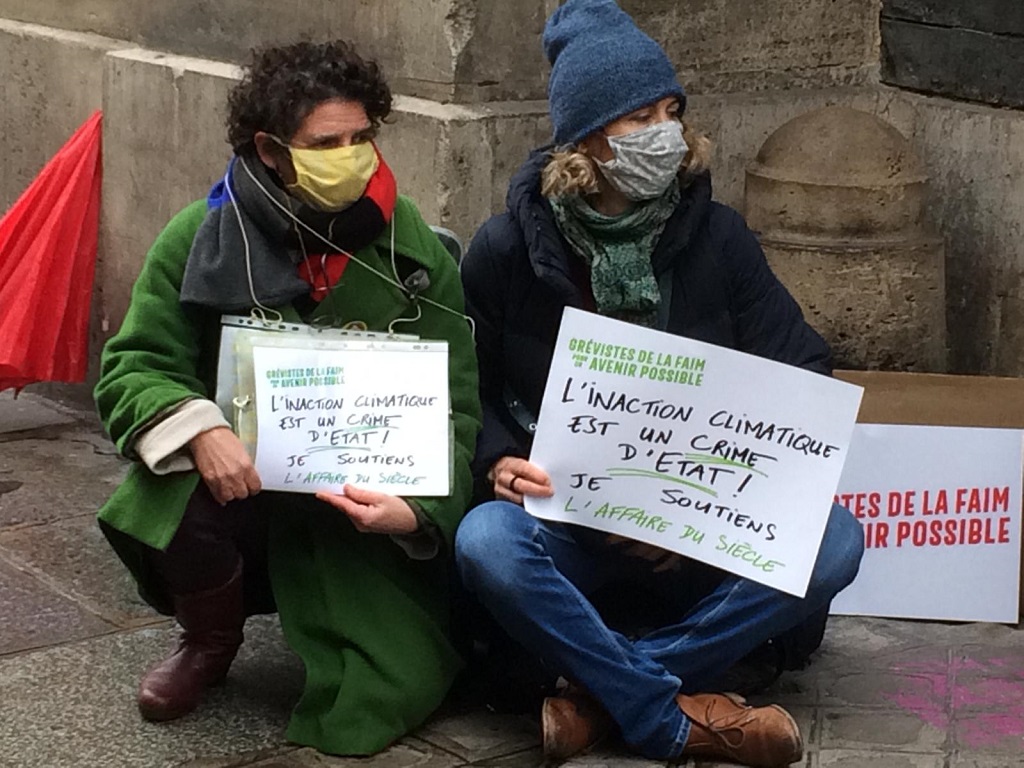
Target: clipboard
x=238 y=395
x=232 y=326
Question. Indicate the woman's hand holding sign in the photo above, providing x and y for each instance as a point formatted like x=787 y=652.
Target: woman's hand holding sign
x=373 y=512
x=515 y=478
x=225 y=465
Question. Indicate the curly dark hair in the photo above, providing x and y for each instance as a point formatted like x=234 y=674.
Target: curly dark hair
x=283 y=84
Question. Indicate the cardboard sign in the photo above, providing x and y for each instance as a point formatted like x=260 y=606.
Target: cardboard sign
x=721 y=456
x=367 y=413
x=940 y=507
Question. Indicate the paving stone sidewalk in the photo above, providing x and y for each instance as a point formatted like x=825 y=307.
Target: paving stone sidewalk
x=74 y=638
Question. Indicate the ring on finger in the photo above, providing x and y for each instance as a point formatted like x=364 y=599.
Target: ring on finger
x=512 y=484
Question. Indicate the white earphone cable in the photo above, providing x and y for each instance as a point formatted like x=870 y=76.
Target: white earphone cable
x=337 y=249
x=265 y=311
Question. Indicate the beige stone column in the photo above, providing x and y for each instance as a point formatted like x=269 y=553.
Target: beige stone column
x=836 y=197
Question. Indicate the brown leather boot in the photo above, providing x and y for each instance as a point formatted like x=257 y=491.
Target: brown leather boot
x=572 y=723
x=722 y=726
x=212 y=622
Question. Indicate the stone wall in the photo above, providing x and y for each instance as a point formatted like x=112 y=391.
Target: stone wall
x=53 y=81
x=484 y=50
x=470 y=78
x=163 y=86
x=164 y=146
x=446 y=50
x=974 y=157
x=965 y=49
x=726 y=46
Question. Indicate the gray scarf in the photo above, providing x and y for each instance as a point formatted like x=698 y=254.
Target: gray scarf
x=216 y=275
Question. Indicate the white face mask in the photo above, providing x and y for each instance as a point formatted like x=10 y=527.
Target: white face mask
x=645 y=162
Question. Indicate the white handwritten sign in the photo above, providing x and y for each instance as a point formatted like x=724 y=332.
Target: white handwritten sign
x=721 y=456
x=940 y=507
x=370 y=414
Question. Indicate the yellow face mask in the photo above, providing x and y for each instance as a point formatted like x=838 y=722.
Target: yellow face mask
x=333 y=179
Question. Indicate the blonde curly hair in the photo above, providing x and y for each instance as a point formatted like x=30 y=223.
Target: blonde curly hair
x=571 y=171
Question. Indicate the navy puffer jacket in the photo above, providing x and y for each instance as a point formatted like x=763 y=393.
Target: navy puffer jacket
x=519 y=274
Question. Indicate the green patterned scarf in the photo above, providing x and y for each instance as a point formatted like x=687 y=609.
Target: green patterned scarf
x=618 y=251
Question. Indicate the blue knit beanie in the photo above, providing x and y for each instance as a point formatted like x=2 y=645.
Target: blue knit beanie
x=602 y=67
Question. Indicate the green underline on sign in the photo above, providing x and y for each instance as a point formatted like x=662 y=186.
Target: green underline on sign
x=628 y=472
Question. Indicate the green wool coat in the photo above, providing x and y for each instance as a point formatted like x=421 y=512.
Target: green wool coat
x=370 y=624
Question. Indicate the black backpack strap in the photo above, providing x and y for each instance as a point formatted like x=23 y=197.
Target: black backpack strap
x=518 y=410
x=665 y=281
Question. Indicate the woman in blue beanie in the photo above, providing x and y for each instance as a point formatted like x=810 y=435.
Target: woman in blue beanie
x=617 y=218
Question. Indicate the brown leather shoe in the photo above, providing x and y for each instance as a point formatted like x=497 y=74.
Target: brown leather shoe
x=212 y=622
x=722 y=726
x=572 y=723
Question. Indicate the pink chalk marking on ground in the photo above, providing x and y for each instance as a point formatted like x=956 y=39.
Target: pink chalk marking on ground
x=975 y=730
x=927 y=702
x=988 y=729
x=922 y=707
x=988 y=693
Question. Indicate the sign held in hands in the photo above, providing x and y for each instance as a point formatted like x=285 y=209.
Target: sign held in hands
x=374 y=415
x=718 y=455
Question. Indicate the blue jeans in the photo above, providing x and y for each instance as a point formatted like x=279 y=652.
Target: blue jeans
x=535 y=578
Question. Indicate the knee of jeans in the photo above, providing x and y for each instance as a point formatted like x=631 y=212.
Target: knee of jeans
x=485 y=543
x=841 y=550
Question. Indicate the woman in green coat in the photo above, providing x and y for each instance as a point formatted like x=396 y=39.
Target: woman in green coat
x=307 y=222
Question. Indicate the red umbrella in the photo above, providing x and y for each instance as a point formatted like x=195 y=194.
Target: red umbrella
x=47 y=262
